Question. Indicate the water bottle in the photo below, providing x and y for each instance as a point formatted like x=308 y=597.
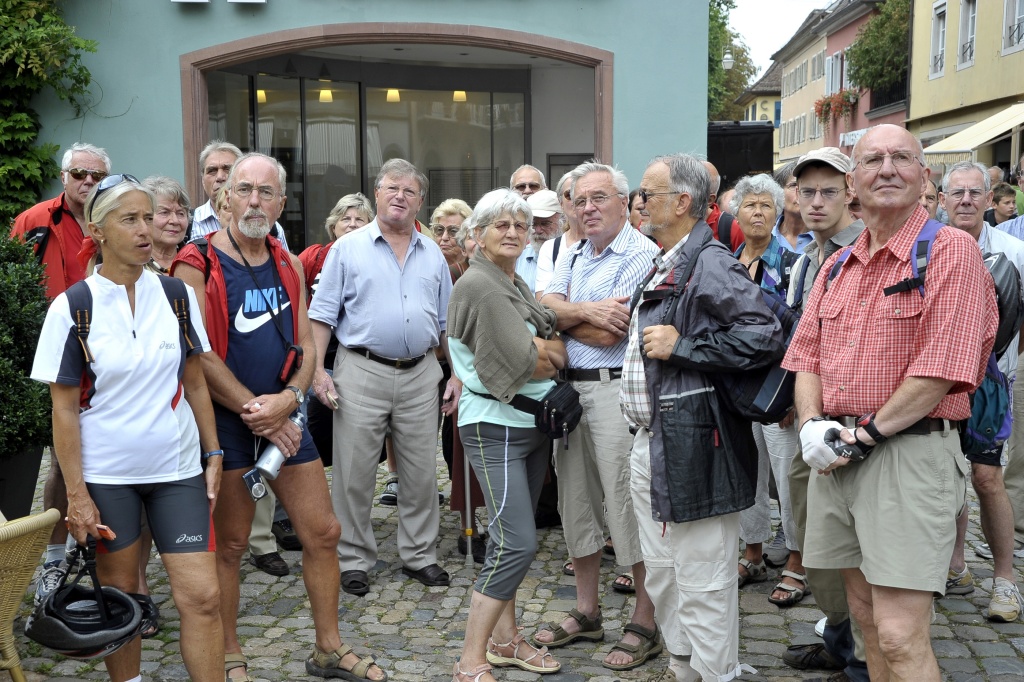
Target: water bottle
x=270 y=462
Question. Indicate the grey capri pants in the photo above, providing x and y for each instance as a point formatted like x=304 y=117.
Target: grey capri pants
x=510 y=464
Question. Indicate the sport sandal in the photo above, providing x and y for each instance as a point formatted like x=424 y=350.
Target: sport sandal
x=590 y=629
x=756 y=573
x=232 y=661
x=501 y=655
x=649 y=646
x=794 y=593
x=328 y=664
x=474 y=675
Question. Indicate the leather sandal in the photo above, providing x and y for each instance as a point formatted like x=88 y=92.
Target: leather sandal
x=232 y=661
x=546 y=663
x=355 y=582
x=795 y=593
x=624 y=587
x=431 y=575
x=649 y=646
x=590 y=629
x=474 y=675
x=756 y=573
x=328 y=664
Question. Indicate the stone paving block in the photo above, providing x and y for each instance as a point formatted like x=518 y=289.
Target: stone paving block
x=991 y=649
x=1003 y=666
x=950 y=649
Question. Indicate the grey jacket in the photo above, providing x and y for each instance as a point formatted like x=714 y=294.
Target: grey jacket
x=703 y=457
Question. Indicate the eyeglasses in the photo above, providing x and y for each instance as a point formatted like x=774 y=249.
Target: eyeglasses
x=265 y=192
x=503 y=225
x=81 y=173
x=958 y=194
x=106 y=183
x=597 y=200
x=875 y=161
x=829 y=193
x=645 y=195
x=439 y=230
x=522 y=186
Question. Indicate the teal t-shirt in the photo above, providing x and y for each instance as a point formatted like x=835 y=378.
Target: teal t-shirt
x=474 y=409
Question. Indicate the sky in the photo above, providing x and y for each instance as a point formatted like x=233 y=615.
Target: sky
x=767 y=25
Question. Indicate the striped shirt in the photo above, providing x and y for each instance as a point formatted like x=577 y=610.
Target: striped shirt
x=633 y=396
x=586 y=276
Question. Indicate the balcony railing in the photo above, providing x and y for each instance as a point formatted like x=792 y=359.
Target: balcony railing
x=1015 y=34
x=967 y=52
x=894 y=94
x=938 y=62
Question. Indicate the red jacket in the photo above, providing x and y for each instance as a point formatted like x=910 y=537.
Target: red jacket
x=735 y=233
x=217 y=316
x=63 y=241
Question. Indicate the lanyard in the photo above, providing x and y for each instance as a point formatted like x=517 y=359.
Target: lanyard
x=277 y=284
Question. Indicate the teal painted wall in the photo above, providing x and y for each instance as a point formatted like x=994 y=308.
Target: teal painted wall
x=660 y=77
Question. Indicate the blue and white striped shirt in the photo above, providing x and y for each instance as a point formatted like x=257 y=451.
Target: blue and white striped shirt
x=616 y=271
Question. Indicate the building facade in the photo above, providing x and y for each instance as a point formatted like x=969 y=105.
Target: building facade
x=466 y=91
x=762 y=101
x=803 y=60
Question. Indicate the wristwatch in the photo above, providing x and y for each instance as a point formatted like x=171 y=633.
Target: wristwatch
x=299 y=397
x=867 y=422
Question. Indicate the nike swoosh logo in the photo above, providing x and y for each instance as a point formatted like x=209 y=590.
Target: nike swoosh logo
x=247 y=325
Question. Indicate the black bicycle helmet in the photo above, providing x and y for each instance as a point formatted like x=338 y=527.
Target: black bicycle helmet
x=82 y=621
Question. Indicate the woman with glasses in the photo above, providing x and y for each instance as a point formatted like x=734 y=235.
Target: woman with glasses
x=502 y=343
x=445 y=222
x=133 y=423
x=170 y=221
x=756 y=203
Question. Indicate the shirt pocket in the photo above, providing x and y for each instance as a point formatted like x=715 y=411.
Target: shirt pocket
x=429 y=287
x=898 y=322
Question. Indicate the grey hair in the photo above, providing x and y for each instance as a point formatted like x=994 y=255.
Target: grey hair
x=281 y=174
x=961 y=166
x=65 y=163
x=1002 y=175
x=357 y=201
x=560 y=187
x=543 y=180
x=762 y=183
x=492 y=206
x=618 y=177
x=214 y=147
x=400 y=168
x=451 y=207
x=782 y=174
x=687 y=174
x=170 y=188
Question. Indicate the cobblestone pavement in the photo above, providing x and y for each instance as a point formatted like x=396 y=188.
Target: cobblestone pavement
x=416 y=631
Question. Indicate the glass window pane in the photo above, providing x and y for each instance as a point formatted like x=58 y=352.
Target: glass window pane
x=332 y=151
x=230 y=116
x=279 y=134
x=510 y=136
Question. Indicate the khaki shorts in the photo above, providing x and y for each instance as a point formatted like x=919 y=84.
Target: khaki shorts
x=595 y=470
x=893 y=515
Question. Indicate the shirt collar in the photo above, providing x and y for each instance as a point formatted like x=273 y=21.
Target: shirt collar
x=900 y=243
x=622 y=240
x=373 y=229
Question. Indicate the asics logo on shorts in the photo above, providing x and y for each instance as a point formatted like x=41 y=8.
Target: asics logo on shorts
x=185 y=537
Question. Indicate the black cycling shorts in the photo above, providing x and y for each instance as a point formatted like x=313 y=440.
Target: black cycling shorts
x=178 y=514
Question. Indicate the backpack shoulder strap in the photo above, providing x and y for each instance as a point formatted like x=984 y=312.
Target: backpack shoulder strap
x=838 y=265
x=80 y=304
x=920 y=253
x=203 y=247
x=795 y=298
x=576 y=254
x=177 y=296
x=725 y=229
x=684 y=281
x=554 y=251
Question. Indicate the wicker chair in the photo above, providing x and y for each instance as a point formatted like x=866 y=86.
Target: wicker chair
x=22 y=542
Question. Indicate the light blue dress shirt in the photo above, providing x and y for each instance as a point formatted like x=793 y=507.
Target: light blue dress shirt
x=372 y=303
x=802 y=240
x=526 y=267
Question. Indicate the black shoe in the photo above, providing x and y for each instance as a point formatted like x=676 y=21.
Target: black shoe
x=811 y=657
x=286 y=536
x=271 y=563
x=479 y=547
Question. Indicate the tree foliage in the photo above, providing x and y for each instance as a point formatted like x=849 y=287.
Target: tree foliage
x=879 y=57
x=724 y=86
x=38 y=51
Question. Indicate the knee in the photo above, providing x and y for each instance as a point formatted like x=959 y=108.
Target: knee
x=987 y=480
x=200 y=598
x=321 y=534
x=898 y=639
x=231 y=545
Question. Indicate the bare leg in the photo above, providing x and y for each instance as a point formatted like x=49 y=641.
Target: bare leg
x=232 y=520
x=196 y=595
x=958 y=561
x=120 y=569
x=392 y=461
x=754 y=553
x=859 y=596
x=996 y=517
x=588 y=572
x=55 y=494
x=795 y=564
x=484 y=615
x=643 y=615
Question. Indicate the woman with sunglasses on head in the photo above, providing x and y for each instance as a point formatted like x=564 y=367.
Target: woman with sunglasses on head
x=502 y=344
x=133 y=423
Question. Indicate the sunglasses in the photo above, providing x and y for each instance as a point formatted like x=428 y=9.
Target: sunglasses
x=108 y=182
x=81 y=173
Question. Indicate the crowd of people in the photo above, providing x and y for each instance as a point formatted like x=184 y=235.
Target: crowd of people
x=208 y=340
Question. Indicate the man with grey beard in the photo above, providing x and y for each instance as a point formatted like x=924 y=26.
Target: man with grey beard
x=548 y=220
x=255 y=312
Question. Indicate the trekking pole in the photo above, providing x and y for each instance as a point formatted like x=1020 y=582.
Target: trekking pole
x=470 y=522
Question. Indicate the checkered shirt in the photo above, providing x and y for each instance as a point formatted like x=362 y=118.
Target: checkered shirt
x=634 y=399
x=863 y=344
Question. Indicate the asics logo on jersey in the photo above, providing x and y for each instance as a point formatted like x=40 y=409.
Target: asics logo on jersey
x=168 y=346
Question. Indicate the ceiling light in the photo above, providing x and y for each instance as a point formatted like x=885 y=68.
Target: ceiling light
x=261 y=96
x=393 y=95
x=326 y=96
x=459 y=96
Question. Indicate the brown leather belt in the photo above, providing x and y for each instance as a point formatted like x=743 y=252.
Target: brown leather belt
x=603 y=374
x=921 y=427
x=400 y=363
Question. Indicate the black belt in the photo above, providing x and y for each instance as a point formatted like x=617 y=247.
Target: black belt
x=400 y=363
x=922 y=427
x=603 y=374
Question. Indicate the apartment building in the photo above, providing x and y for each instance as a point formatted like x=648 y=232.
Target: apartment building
x=762 y=101
x=803 y=62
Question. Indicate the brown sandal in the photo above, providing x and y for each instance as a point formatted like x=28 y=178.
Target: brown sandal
x=232 y=661
x=474 y=675
x=590 y=629
x=328 y=664
x=501 y=660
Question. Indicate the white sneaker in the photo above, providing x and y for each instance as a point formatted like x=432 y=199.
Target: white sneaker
x=985 y=552
x=48 y=580
x=819 y=627
x=1006 y=602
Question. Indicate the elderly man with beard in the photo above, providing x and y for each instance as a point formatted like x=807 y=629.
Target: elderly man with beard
x=254 y=307
x=548 y=219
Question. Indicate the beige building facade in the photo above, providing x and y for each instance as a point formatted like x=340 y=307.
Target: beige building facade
x=803 y=61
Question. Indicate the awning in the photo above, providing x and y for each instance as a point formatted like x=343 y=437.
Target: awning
x=963 y=145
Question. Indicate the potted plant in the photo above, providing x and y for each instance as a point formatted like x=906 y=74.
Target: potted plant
x=24 y=403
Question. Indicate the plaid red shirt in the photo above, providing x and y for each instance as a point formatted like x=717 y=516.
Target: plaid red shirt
x=864 y=344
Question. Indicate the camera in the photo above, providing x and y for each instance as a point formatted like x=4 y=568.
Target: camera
x=254 y=482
